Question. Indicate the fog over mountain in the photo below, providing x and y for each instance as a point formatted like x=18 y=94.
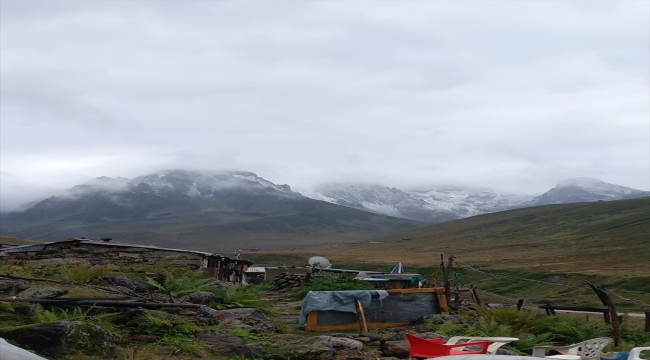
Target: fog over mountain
x=513 y=96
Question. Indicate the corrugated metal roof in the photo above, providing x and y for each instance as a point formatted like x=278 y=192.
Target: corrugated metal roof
x=257 y=269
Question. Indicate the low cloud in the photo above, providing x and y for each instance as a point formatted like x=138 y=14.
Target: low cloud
x=511 y=96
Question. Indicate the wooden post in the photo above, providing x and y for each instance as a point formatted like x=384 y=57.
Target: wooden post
x=647 y=321
x=472 y=291
x=520 y=303
x=447 y=284
x=363 y=325
x=613 y=315
x=442 y=300
x=607 y=318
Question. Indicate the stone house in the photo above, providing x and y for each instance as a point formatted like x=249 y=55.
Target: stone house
x=106 y=251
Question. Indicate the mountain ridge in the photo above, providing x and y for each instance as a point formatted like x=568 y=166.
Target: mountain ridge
x=449 y=203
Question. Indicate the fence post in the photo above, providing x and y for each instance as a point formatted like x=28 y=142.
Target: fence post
x=520 y=303
x=613 y=315
x=647 y=321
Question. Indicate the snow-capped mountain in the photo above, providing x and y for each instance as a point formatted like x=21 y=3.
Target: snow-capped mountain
x=168 y=193
x=196 y=210
x=381 y=199
x=585 y=190
x=454 y=203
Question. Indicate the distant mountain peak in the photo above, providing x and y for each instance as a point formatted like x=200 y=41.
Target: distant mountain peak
x=582 y=182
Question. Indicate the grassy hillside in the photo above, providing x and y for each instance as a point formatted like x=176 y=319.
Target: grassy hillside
x=6 y=241
x=539 y=254
x=587 y=238
x=294 y=224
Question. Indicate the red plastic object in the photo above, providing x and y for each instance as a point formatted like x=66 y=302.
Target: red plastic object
x=430 y=348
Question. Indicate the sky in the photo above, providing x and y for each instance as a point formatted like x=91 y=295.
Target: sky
x=510 y=95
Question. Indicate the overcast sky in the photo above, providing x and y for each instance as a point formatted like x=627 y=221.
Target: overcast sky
x=511 y=95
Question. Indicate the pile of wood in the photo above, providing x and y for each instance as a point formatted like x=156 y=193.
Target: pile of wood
x=286 y=280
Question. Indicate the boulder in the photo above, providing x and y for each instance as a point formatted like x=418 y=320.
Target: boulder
x=399 y=348
x=42 y=292
x=134 y=284
x=333 y=342
x=62 y=338
x=245 y=318
x=223 y=343
x=201 y=297
x=284 y=338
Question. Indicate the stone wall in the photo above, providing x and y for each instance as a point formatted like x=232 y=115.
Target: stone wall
x=82 y=252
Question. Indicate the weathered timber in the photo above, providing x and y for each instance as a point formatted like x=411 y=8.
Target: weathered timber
x=363 y=325
x=126 y=304
x=574 y=308
x=615 y=319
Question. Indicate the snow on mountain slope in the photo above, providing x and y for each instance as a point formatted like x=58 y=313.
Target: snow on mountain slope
x=586 y=189
x=452 y=203
x=470 y=202
x=380 y=199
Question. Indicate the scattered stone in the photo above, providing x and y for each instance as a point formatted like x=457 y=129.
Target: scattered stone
x=143 y=338
x=396 y=337
x=187 y=312
x=284 y=338
x=42 y=292
x=223 y=343
x=245 y=318
x=453 y=319
x=61 y=338
x=13 y=286
x=363 y=339
x=336 y=343
x=399 y=348
x=502 y=351
x=201 y=297
x=134 y=284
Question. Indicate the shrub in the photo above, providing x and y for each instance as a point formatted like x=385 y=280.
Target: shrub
x=240 y=296
x=329 y=283
x=182 y=284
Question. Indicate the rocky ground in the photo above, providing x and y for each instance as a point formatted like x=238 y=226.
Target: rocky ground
x=220 y=328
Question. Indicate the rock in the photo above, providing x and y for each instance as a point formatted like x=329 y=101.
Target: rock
x=13 y=286
x=502 y=351
x=245 y=318
x=186 y=312
x=454 y=319
x=298 y=353
x=336 y=343
x=223 y=343
x=430 y=335
x=396 y=337
x=42 y=292
x=61 y=338
x=144 y=338
x=363 y=339
x=399 y=348
x=201 y=297
x=134 y=284
x=284 y=338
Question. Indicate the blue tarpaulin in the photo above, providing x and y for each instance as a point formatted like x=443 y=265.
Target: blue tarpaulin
x=337 y=301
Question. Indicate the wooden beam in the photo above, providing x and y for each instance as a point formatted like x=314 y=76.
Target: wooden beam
x=647 y=322
x=520 y=303
x=442 y=301
x=412 y=291
x=362 y=317
x=573 y=308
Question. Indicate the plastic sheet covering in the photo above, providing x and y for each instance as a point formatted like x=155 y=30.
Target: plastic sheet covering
x=11 y=352
x=395 y=308
x=339 y=301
